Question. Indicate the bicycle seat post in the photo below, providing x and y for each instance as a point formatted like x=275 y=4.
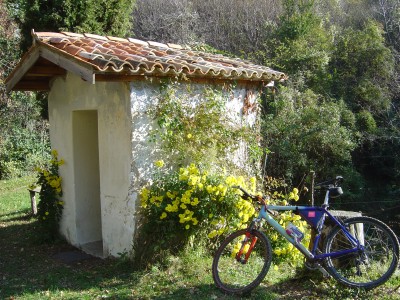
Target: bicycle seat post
x=326 y=200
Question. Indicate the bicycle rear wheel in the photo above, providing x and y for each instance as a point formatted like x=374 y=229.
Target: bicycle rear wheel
x=368 y=268
x=231 y=273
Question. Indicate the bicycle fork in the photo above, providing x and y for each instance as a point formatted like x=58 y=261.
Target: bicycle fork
x=246 y=250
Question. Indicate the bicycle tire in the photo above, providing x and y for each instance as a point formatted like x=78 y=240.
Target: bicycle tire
x=364 y=269
x=234 y=277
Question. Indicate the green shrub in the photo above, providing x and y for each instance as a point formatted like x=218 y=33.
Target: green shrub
x=366 y=122
x=50 y=206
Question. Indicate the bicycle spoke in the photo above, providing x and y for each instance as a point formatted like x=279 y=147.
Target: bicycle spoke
x=234 y=274
x=368 y=267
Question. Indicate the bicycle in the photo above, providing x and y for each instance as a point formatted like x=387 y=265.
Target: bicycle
x=359 y=252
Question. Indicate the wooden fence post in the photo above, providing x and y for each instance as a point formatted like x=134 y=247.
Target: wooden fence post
x=32 y=194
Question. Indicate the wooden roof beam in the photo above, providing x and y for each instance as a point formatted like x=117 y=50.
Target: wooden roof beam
x=41 y=85
x=49 y=70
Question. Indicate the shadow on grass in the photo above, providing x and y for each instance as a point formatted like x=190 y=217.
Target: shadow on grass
x=30 y=266
x=31 y=269
x=299 y=288
x=20 y=215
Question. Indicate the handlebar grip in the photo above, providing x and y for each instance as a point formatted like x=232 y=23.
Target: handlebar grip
x=336 y=181
x=246 y=195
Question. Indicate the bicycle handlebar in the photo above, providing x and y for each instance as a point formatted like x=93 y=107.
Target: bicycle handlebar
x=329 y=183
x=246 y=195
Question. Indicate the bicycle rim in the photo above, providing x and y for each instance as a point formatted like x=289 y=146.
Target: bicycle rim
x=235 y=277
x=368 y=268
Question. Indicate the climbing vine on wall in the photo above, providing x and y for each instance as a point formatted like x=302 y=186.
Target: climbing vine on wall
x=195 y=127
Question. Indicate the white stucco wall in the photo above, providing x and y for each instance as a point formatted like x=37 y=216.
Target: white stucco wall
x=111 y=101
x=124 y=162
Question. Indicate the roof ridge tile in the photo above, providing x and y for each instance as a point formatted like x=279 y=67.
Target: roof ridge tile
x=72 y=34
x=157 y=44
x=95 y=36
x=174 y=46
x=136 y=41
x=117 y=39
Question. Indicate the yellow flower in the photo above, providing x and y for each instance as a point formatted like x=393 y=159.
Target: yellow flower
x=46 y=213
x=183 y=174
x=195 y=201
x=163 y=215
x=144 y=195
x=193 y=180
x=209 y=189
x=189 y=136
x=170 y=195
x=171 y=208
x=230 y=181
x=187 y=226
x=159 y=163
x=212 y=234
x=253 y=183
x=193 y=170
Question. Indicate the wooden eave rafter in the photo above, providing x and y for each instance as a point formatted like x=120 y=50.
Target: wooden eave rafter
x=41 y=64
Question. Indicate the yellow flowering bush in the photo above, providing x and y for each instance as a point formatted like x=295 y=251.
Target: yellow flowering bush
x=193 y=202
x=50 y=206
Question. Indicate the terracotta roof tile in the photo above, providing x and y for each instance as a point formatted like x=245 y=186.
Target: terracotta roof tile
x=112 y=58
x=95 y=54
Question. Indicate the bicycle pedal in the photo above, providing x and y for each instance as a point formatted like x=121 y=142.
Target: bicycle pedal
x=316 y=266
x=310 y=265
x=323 y=271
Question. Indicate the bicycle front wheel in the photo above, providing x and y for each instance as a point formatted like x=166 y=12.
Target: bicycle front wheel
x=367 y=268
x=232 y=273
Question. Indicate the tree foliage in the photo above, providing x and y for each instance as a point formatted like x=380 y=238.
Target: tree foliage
x=100 y=17
x=362 y=67
x=338 y=112
x=306 y=132
x=23 y=134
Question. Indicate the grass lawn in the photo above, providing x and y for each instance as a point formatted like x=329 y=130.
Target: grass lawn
x=32 y=269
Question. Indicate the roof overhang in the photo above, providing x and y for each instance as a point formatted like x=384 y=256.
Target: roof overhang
x=100 y=58
x=40 y=64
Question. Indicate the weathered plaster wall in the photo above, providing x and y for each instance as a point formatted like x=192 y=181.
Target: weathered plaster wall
x=125 y=155
x=145 y=94
x=111 y=101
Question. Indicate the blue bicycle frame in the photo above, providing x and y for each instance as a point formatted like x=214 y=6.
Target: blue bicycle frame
x=315 y=216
